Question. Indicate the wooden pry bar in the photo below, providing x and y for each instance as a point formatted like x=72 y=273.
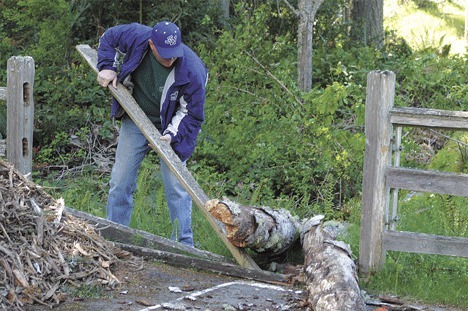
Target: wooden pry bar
x=166 y=153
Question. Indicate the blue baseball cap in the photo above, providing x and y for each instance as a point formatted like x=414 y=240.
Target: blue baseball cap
x=167 y=38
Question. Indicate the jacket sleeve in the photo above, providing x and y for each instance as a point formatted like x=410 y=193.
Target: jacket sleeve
x=186 y=123
x=118 y=41
x=108 y=49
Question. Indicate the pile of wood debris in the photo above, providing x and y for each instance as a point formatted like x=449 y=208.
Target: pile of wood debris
x=45 y=250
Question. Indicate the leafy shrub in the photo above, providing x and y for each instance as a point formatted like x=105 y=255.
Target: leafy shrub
x=39 y=27
x=86 y=104
x=430 y=81
x=263 y=140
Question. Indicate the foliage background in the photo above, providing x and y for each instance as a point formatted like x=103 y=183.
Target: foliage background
x=264 y=142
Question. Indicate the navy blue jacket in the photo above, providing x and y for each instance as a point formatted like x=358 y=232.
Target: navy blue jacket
x=183 y=98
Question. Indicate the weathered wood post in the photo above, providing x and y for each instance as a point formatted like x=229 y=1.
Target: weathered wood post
x=375 y=193
x=20 y=112
x=2 y=140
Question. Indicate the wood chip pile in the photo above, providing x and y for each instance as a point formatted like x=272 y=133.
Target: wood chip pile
x=43 y=250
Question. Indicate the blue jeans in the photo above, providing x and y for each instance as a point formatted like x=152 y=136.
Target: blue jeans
x=131 y=150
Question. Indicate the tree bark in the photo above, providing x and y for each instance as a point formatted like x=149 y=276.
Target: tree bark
x=307 y=11
x=367 y=22
x=224 y=5
x=466 y=21
x=330 y=273
x=260 y=229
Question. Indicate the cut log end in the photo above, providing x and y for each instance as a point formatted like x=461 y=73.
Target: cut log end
x=220 y=210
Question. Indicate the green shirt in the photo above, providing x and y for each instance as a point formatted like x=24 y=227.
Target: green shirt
x=149 y=79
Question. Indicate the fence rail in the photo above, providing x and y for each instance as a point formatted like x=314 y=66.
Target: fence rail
x=427 y=181
x=434 y=118
x=383 y=177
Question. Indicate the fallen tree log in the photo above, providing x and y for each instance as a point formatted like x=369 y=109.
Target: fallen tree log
x=330 y=272
x=261 y=229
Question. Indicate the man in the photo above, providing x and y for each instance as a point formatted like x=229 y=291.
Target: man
x=167 y=80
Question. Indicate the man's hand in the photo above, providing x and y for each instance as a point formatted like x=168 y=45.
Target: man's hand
x=167 y=138
x=106 y=76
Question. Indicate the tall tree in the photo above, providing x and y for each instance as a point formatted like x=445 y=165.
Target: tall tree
x=367 y=22
x=466 y=21
x=306 y=14
x=224 y=4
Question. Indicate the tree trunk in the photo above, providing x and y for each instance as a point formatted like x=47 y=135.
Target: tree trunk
x=224 y=5
x=466 y=21
x=367 y=22
x=330 y=273
x=261 y=229
x=307 y=11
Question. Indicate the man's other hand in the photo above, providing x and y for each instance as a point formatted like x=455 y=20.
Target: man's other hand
x=106 y=76
x=167 y=138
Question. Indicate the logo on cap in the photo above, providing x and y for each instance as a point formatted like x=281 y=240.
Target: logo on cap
x=171 y=40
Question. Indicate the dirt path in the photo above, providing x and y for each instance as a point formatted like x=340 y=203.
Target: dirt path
x=160 y=286
x=163 y=287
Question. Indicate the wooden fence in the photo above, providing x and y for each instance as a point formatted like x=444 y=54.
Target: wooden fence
x=383 y=176
x=20 y=112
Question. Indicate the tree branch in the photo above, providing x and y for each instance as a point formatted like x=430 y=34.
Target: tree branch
x=296 y=12
x=274 y=78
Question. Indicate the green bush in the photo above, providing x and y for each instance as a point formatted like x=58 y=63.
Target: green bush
x=86 y=104
x=426 y=80
x=454 y=155
x=263 y=140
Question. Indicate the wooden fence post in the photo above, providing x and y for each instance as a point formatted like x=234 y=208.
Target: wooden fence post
x=375 y=194
x=20 y=112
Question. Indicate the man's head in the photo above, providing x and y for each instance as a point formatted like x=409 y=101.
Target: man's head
x=167 y=39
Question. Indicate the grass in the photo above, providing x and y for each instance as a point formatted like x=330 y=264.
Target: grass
x=429 y=24
x=88 y=193
x=428 y=278
x=85 y=291
x=432 y=279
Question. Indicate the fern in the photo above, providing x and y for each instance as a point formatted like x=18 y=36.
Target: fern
x=329 y=197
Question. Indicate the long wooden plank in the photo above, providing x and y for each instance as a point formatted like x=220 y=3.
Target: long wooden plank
x=427 y=181
x=425 y=243
x=230 y=269
x=422 y=117
x=199 y=197
x=122 y=234
x=142 y=243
